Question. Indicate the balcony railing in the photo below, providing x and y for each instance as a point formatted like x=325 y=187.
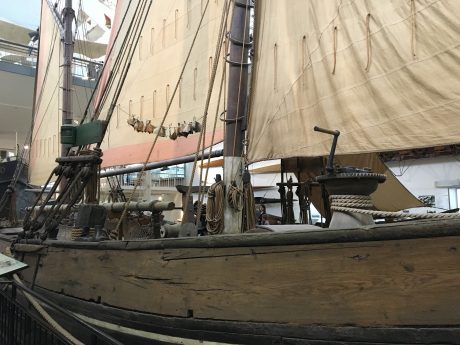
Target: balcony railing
x=169 y=182
x=23 y=55
x=20 y=325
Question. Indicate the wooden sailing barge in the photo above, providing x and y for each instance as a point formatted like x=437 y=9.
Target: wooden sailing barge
x=395 y=283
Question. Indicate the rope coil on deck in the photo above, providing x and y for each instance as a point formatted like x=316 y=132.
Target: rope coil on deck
x=363 y=204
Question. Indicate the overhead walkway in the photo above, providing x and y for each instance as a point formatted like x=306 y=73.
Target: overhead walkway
x=17 y=73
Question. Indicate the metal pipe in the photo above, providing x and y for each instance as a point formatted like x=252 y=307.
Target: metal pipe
x=162 y=164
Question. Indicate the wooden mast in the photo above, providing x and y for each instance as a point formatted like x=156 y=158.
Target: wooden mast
x=68 y=16
x=236 y=107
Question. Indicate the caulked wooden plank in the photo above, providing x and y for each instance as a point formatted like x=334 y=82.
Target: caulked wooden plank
x=400 y=282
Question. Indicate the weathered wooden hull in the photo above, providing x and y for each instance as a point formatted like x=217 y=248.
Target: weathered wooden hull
x=384 y=284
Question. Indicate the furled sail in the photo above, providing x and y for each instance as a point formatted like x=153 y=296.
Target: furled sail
x=160 y=54
x=385 y=73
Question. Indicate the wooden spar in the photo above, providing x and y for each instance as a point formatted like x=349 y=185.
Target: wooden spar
x=236 y=107
x=157 y=165
x=153 y=206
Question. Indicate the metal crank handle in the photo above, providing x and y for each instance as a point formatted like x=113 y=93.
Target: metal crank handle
x=330 y=160
x=327 y=131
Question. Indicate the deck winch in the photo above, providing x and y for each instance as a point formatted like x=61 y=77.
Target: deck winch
x=348 y=186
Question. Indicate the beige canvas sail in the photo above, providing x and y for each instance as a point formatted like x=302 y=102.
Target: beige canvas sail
x=155 y=68
x=47 y=117
x=46 y=145
x=385 y=73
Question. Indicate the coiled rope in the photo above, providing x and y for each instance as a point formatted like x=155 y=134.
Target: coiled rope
x=235 y=197
x=215 y=208
x=363 y=203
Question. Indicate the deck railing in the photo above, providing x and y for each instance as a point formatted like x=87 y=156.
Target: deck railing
x=22 y=326
x=18 y=326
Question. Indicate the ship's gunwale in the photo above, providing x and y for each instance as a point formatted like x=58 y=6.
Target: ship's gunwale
x=384 y=232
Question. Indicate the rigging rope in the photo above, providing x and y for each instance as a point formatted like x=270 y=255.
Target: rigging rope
x=362 y=203
x=141 y=173
x=200 y=193
x=202 y=137
x=108 y=56
x=215 y=208
x=136 y=34
x=249 y=209
x=235 y=197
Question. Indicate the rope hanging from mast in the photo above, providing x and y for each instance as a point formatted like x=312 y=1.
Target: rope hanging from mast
x=215 y=208
x=235 y=197
x=249 y=208
x=200 y=192
x=201 y=140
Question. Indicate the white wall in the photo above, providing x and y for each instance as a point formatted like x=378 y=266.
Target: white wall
x=419 y=176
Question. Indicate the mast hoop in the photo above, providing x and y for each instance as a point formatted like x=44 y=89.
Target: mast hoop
x=230 y=120
x=238 y=64
x=238 y=42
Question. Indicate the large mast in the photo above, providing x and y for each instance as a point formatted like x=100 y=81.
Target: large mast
x=68 y=16
x=64 y=22
x=236 y=107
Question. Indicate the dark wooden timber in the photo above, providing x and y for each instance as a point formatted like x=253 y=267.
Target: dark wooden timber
x=237 y=79
x=394 y=275
x=255 y=332
x=386 y=232
x=162 y=164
